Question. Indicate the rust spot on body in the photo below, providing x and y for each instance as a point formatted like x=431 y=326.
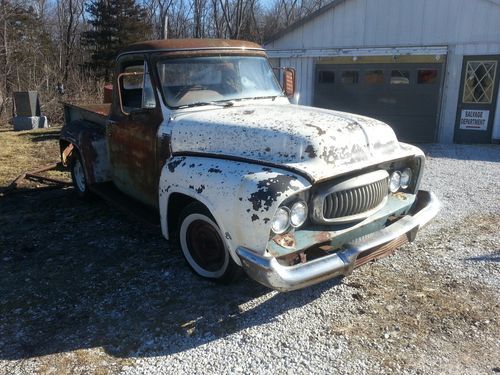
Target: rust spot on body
x=286 y=240
x=321 y=237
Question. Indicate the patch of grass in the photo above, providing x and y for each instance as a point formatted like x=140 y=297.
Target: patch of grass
x=26 y=150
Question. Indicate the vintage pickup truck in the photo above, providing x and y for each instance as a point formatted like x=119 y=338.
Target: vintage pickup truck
x=201 y=131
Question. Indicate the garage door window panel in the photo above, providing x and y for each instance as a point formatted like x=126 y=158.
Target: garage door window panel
x=374 y=77
x=349 y=77
x=427 y=76
x=326 y=76
x=400 y=77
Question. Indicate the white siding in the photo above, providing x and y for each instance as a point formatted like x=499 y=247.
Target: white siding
x=369 y=23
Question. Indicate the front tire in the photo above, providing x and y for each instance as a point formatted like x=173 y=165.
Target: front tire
x=204 y=246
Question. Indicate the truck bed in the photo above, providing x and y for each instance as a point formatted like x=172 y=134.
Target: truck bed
x=96 y=113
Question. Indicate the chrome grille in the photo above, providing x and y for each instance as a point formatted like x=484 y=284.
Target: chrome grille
x=351 y=199
x=355 y=201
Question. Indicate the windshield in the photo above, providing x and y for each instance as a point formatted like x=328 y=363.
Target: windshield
x=204 y=80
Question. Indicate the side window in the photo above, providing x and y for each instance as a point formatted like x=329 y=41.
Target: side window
x=275 y=64
x=136 y=90
x=479 y=81
x=148 y=96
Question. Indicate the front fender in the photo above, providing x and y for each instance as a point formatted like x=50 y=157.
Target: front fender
x=242 y=197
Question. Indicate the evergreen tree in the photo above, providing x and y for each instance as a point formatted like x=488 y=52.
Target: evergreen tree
x=115 y=24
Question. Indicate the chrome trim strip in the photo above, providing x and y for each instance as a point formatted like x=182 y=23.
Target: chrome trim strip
x=268 y=271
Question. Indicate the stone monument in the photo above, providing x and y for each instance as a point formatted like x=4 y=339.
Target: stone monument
x=27 y=113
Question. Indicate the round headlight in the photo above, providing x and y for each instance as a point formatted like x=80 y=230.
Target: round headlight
x=298 y=214
x=406 y=176
x=281 y=220
x=395 y=182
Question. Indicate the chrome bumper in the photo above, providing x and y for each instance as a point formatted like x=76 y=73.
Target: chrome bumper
x=269 y=272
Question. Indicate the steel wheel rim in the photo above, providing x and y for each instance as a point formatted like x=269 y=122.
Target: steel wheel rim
x=219 y=258
x=79 y=176
x=205 y=245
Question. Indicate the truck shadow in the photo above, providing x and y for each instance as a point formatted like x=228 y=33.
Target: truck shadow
x=81 y=275
x=42 y=136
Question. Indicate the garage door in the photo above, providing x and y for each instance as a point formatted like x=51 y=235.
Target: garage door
x=404 y=95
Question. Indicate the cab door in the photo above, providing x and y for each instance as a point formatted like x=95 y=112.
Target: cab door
x=132 y=131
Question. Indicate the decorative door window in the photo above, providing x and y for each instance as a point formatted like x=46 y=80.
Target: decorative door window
x=479 y=81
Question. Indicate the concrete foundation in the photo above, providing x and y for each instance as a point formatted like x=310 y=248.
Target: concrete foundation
x=28 y=123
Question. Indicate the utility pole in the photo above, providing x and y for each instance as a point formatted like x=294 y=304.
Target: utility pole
x=165 y=27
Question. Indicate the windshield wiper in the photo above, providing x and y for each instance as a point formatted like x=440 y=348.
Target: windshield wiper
x=220 y=103
x=261 y=97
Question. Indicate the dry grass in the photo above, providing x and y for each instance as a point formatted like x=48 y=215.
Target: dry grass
x=26 y=150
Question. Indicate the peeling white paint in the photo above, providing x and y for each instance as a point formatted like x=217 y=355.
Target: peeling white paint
x=320 y=143
x=242 y=197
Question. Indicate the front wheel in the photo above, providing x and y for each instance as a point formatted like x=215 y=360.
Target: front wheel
x=204 y=247
x=78 y=177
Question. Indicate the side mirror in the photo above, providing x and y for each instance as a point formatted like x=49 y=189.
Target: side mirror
x=128 y=81
x=289 y=82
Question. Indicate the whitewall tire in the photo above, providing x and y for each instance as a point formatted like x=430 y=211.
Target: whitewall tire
x=203 y=245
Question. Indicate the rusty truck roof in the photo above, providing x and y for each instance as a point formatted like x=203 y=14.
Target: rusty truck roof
x=190 y=44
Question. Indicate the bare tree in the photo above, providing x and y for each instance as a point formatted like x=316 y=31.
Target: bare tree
x=69 y=20
x=4 y=55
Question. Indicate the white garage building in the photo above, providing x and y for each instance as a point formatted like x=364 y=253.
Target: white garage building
x=429 y=68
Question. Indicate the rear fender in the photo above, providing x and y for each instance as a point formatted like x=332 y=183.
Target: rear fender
x=242 y=197
x=90 y=142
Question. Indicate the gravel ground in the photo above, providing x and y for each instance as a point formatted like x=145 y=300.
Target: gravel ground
x=85 y=290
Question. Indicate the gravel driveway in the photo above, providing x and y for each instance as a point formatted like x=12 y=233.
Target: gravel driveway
x=86 y=290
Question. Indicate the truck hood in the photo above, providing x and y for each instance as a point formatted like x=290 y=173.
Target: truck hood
x=316 y=142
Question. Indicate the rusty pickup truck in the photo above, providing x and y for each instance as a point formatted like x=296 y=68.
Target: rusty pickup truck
x=202 y=131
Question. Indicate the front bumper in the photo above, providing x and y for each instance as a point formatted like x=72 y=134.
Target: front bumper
x=268 y=271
